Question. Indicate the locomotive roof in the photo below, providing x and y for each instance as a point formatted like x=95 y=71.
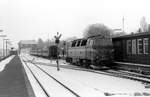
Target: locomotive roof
x=79 y=39
x=90 y=37
x=99 y=36
x=133 y=35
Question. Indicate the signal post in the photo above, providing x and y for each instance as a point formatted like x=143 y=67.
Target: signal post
x=57 y=37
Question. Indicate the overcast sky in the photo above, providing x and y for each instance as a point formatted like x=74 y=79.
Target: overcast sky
x=33 y=19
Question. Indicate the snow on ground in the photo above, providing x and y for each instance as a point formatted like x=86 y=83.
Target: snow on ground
x=52 y=87
x=82 y=80
x=89 y=84
x=46 y=61
x=5 y=61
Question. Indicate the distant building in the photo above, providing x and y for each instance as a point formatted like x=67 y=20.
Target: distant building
x=26 y=45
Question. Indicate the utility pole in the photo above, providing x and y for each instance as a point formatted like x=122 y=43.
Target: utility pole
x=6 y=45
x=64 y=49
x=3 y=49
x=57 y=37
x=3 y=40
x=123 y=24
x=3 y=43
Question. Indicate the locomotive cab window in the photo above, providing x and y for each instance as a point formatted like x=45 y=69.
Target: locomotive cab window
x=90 y=42
x=145 y=45
x=73 y=44
x=78 y=43
x=83 y=43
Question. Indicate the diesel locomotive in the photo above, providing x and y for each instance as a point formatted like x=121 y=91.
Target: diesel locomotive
x=95 y=50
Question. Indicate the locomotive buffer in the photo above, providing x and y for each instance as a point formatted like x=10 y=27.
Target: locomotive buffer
x=57 y=37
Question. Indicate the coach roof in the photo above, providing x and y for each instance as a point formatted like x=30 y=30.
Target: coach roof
x=133 y=35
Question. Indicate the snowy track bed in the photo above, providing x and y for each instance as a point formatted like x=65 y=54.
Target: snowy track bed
x=128 y=75
x=88 y=84
x=38 y=91
x=51 y=86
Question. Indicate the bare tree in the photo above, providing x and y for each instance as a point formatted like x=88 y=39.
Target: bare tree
x=144 y=25
x=97 y=29
x=40 y=42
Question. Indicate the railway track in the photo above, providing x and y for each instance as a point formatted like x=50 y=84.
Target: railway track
x=40 y=84
x=105 y=72
x=128 y=75
x=45 y=91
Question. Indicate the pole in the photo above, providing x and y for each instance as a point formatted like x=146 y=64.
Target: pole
x=123 y=24
x=57 y=59
x=3 y=49
x=57 y=37
x=3 y=43
x=6 y=47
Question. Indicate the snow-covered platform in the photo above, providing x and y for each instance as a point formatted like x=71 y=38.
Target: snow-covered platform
x=13 y=79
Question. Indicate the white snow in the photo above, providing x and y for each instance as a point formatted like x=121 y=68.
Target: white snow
x=51 y=86
x=46 y=61
x=81 y=81
x=87 y=84
x=4 y=62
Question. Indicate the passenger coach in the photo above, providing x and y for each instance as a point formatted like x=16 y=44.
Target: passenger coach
x=134 y=48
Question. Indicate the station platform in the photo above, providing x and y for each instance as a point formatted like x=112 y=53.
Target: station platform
x=14 y=81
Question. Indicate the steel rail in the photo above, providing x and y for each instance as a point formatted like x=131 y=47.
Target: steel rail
x=58 y=81
x=74 y=93
x=37 y=80
x=116 y=74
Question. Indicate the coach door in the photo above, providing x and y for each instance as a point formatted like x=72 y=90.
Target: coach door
x=118 y=50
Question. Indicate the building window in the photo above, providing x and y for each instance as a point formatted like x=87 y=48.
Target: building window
x=129 y=47
x=145 y=45
x=134 y=46
x=140 y=46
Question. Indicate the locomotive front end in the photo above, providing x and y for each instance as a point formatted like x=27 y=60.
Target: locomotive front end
x=102 y=51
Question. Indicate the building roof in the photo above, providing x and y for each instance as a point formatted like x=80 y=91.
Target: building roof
x=27 y=42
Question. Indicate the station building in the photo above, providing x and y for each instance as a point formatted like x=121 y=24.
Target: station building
x=25 y=46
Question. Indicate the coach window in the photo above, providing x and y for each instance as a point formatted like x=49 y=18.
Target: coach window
x=139 y=46
x=129 y=47
x=145 y=45
x=134 y=46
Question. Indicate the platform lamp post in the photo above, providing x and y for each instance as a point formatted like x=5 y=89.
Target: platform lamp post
x=3 y=42
x=6 y=44
x=64 y=49
x=57 y=37
x=7 y=41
